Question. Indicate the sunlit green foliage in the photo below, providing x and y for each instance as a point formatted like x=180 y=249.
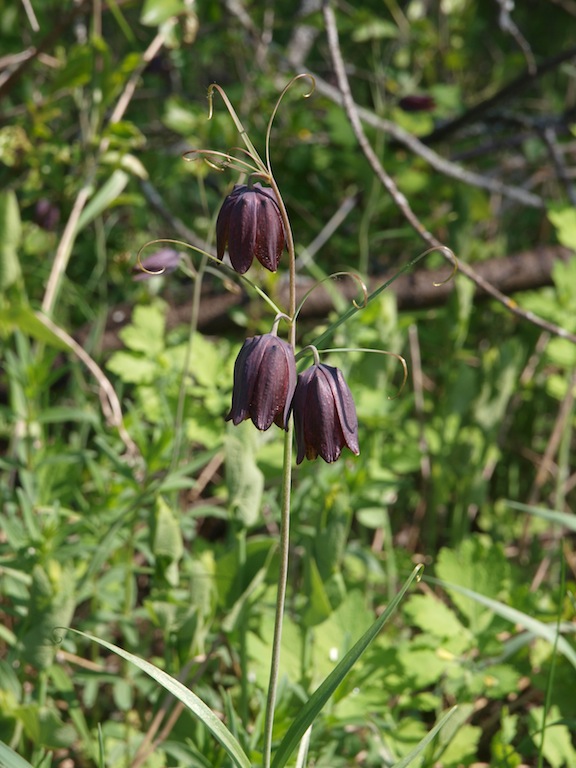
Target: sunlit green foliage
x=168 y=548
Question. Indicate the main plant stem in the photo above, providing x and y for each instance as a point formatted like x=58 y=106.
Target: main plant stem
x=281 y=595
x=285 y=507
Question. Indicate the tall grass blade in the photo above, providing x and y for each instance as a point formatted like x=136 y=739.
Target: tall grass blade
x=316 y=702
x=562 y=518
x=179 y=691
x=538 y=628
x=9 y=758
x=420 y=747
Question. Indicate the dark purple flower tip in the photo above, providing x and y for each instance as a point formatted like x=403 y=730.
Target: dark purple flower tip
x=46 y=214
x=161 y=262
x=250 y=223
x=417 y=103
x=264 y=382
x=324 y=414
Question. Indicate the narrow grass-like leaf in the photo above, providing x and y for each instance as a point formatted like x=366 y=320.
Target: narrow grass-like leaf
x=421 y=746
x=9 y=758
x=316 y=702
x=562 y=518
x=184 y=695
x=538 y=628
x=103 y=199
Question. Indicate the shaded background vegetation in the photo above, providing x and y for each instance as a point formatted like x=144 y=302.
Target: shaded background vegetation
x=163 y=539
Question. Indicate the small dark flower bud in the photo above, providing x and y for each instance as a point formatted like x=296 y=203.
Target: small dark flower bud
x=264 y=382
x=161 y=262
x=417 y=103
x=250 y=223
x=324 y=414
x=46 y=214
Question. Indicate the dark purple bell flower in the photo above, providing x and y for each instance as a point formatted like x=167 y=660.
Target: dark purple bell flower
x=264 y=382
x=250 y=223
x=324 y=414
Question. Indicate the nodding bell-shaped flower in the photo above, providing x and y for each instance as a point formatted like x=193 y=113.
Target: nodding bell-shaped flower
x=324 y=414
x=250 y=223
x=264 y=382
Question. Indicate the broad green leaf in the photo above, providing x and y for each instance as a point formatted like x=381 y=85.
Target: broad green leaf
x=316 y=702
x=377 y=29
x=500 y=680
x=77 y=69
x=9 y=758
x=145 y=333
x=564 y=220
x=10 y=234
x=156 y=12
x=259 y=648
x=318 y=606
x=44 y=727
x=334 y=637
x=433 y=616
x=556 y=741
x=52 y=602
x=332 y=534
x=537 y=628
x=14 y=142
x=24 y=318
x=462 y=747
x=132 y=369
x=167 y=544
x=104 y=198
x=476 y=563
x=502 y=367
x=244 y=479
x=180 y=692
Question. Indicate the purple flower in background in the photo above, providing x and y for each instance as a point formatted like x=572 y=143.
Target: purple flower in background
x=161 y=262
x=264 y=382
x=250 y=223
x=417 y=103
x=46 y=214
x=324 y=414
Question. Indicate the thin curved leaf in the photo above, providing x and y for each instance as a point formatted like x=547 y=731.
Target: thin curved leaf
x=104 y=197
x=421 y=746
x=9 y=758
x=183 y=694
x=553 y=515
x=538 y=628
x=316 y=702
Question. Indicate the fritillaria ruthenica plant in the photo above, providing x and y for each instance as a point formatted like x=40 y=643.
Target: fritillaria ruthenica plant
x=317 y=403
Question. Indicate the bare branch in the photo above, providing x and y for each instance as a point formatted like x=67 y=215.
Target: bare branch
x=400 y=199
x=64 y=250
x=507 y=92
x=436 y=161
x=110 y=403
x=448 y=168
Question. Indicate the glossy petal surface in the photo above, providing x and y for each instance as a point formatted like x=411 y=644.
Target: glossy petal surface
x=324 y=414
x=264 y=382
x=250 y=224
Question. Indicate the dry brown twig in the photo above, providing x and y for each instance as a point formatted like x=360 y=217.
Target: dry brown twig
x=294 y=59
x=400 y=199
x=64 y=250
x=108 y=397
